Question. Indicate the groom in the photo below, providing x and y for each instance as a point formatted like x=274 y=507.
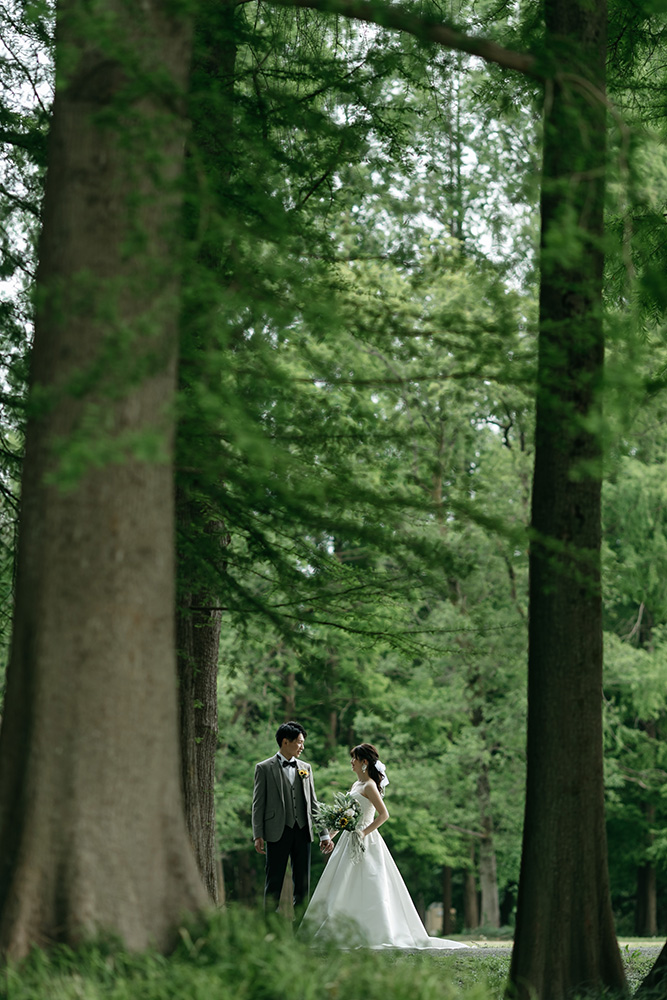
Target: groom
x=283 y=808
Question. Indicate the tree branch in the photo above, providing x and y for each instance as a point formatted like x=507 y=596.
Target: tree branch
x=424 y=29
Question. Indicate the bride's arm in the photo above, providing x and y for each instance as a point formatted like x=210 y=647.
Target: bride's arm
x=371 y=792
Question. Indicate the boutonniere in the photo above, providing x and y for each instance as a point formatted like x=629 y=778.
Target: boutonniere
x=303 y=773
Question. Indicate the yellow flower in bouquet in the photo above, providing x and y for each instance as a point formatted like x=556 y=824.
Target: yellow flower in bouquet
x=344 y=814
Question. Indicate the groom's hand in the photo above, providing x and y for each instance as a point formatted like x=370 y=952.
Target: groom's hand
x=259 y=845
x=326 y=846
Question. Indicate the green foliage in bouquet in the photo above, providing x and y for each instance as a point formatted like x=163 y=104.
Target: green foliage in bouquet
x=344 y=814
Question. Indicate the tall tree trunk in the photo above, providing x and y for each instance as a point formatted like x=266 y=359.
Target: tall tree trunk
x=488 y=878
x=289 y=695
x=329 y=698
x=447 y=922
x=646 y=909
x=246 y=886
x=332 y=733
x=470 y=902
x=488 y=875
x=198 y=643
x=92 y=835
x=202 y=533
x=646 y=913
x=565 y=940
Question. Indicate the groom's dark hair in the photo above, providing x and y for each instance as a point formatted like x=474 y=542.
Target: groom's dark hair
x=289 y=731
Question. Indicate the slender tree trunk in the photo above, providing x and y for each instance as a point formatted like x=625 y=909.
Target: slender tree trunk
x=220 y=877
x=646 y=914
x=198 y=644
x=565 y=940
x=420 y=906
x=289 y=696
x=646 y=909
x=488 y=875
x=246 y=886
x=470 y=902
x=201 y=534
x=332 y=734
x=92 y=835
x=447 y=922
x=328 y=696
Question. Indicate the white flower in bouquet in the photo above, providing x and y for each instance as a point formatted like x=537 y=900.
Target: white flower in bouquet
x=344 y=814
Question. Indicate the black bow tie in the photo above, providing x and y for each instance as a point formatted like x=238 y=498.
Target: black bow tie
x=289 y=763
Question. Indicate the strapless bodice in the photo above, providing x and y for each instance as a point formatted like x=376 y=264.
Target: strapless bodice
x=366 y=806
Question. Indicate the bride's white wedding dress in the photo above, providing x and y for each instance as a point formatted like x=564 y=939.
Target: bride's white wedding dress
x=361 y=899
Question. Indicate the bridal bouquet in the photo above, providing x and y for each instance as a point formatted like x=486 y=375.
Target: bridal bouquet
x=344 y=814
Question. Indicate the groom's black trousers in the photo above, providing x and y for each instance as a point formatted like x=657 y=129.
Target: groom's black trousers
x=295 y=845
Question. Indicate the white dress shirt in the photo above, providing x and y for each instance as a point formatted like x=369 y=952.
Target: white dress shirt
x=289 y=771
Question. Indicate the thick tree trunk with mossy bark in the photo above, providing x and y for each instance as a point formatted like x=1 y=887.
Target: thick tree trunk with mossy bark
x=565 y=941
x=92 y=834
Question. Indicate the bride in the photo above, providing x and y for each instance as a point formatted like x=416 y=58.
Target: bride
x=361 y=895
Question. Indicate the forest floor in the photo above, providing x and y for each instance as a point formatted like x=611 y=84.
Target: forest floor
x=487 y=964
x=488 y=960
x=238 y=955
x=644 y=945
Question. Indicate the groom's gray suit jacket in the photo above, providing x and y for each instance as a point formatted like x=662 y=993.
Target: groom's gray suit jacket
x=269 y=807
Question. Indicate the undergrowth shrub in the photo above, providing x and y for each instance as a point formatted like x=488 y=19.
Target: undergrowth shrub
x=238 y=955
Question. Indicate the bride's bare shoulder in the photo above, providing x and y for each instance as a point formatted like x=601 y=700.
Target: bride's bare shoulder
x=369 y=790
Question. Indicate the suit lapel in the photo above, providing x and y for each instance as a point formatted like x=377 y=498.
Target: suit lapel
x=276 y=771
x=306 y=788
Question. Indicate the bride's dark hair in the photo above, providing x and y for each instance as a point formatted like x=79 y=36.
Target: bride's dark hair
x=367 y=752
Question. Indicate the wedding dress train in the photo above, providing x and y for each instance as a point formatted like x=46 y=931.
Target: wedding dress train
x=361 y=899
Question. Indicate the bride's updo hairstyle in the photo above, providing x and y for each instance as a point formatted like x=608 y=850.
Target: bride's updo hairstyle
x=368 y=753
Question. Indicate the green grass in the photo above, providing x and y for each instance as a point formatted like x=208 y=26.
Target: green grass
x=238 y=956
x=637 y=965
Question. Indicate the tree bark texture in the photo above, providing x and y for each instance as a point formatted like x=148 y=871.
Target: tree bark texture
x=646 y=909
x=646 y=913
x=488 y=871
x=447 y=922
x=201 y=532
x=565 y=941
x=198 y=645
x=470 y=901
x=92 y=834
